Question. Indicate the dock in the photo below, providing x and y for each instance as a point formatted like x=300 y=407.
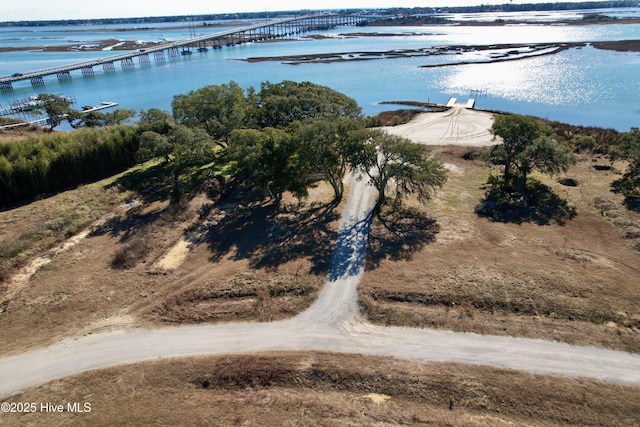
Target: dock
x=453 y=102
x=29 y=104
x=41 y=120
x=101 y=106
x=32 y=122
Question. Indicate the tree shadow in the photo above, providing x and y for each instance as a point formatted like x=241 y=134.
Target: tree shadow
x=150 y=184
x=350 y=249
x=632 y=203
x=269 y=237
x=398 y=234
x=536 y=203
x=129 y=225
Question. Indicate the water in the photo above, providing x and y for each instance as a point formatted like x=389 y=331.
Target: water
x=579 y=86
x=542 y=16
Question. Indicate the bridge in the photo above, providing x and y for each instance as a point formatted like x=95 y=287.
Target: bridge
x=252 y=33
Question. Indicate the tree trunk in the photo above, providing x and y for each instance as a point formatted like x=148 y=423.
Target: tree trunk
x=338 y=190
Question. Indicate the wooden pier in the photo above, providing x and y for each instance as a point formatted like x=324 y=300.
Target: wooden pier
x=252 y=33
x=102 y=106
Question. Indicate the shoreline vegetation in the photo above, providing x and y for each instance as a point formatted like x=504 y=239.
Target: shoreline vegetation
x=493 y=53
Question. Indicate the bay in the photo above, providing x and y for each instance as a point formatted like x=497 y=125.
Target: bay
x=584 y=86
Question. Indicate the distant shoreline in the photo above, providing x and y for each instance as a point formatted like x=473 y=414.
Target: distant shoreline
x=513 y=54
x=128 y=45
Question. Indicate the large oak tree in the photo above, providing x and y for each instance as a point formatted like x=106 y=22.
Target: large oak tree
x=526 y=146
x=397 y=164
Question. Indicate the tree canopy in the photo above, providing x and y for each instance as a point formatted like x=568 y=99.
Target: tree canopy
x=218 y=109
x=327 y=146
x=278 y=139
x=391 y=161
x=269 y=159
x=280 y=104
x=55 y=107
x=628 y=148
x=526 y=146
x=288 y=136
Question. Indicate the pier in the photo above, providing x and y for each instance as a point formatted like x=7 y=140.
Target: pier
x=252 y=33
x=102 y=106
x=453 y=102
x=29 y=104
x=29 y=107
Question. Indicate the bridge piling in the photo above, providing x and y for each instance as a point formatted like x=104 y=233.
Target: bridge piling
x=127 y=63
x=37 y=81
x=109 y=67
x=63 y=75
x=87 y=71
x=144 y=60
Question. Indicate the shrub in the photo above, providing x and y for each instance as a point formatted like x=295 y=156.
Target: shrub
x=53 y=162
x=130 y=253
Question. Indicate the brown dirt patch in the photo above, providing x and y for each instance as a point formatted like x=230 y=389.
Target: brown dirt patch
x=328 y=390
x=576 y=282
x=19 y=132
x=242 y=294
x=242 y=263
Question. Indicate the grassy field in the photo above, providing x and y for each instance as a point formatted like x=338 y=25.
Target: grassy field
x=240 y=262
x=441 y=267
x=302 y=389
x=575 y=281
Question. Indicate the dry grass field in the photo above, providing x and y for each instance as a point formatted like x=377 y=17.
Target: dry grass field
x=303 y=389
x=146 y=264
x=236 y=263
x=576 y=281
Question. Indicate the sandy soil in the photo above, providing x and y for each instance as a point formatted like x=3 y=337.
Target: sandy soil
x=457 y=126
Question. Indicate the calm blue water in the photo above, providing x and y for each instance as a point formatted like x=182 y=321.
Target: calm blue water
x=580 y=86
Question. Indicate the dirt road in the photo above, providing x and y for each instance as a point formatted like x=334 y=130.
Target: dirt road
x=331 y=324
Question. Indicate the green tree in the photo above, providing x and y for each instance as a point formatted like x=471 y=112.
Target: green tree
x=325 y=147
x=97 y=119
x=152 y=145
x=155 y=120
x=628 y=148
x=92 y=119
x=280 y=104
x=268 y=159
x=393 y=162
x=218 y=109
x=55 y=107
x=119 y=116
x=526 y=146
x=190 y=147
